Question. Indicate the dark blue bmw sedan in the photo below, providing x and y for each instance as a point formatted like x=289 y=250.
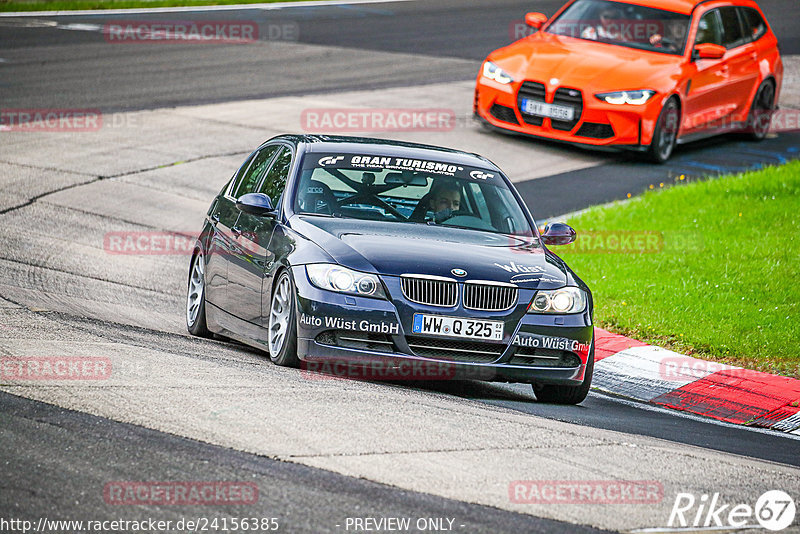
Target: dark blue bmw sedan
x=383 y=259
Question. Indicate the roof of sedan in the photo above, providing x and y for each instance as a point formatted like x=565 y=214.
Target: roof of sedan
x=389 y=147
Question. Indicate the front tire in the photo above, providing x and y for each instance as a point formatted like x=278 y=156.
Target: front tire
x=196 y=298
x=760 y=116
x=283 y=323
x=665 y=135
x=558 y=394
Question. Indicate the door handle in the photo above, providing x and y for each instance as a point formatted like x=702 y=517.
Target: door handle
x=237 y=231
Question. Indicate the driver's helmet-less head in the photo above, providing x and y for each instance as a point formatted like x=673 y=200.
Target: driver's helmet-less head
x=445 y=195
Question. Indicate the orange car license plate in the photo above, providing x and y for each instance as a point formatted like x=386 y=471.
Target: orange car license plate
x=542 y=109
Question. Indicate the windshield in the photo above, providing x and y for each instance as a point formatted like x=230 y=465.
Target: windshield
x=407 y=190
x=624 y=25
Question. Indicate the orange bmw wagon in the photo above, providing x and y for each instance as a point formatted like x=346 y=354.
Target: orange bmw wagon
x=641 y=75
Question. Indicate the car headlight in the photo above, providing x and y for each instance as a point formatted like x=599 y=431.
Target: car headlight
x=493 y=72
x=634 y=98
x=343 y=280
x=565 y=300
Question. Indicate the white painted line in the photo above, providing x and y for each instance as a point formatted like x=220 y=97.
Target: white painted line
x=644 y=373
x=184 y=9
x=80 y=27
x=791 y=423
x=726 y=528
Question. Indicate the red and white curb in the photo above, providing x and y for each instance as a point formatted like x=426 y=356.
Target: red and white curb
x=633 y=369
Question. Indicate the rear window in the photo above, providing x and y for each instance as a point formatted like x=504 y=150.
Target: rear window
x=754 y=24
x=732 y=33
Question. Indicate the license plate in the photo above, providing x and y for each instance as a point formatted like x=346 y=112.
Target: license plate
x=542 y=109
x=457 y=327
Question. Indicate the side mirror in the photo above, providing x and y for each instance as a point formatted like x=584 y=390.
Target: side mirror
x=257 y=204
x=535 y=20
x=709 y=51
x=558 y=234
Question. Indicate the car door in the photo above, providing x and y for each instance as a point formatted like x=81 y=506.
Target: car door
x=755 y=28
x=740 y=62
x=247 y=268
x=281 y=244
x=223 y=215
x=704 y=104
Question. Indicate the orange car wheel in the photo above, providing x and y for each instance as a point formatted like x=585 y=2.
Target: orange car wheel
x=761 y=110
x=666 y=132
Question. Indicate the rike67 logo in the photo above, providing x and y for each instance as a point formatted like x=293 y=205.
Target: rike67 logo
x=774 y=510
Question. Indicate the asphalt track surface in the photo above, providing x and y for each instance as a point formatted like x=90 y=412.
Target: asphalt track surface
x=54 y=460
x=303 y=499
x=61 y=62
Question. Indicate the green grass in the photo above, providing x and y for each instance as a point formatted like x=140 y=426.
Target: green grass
x=70 y=5
x=723 y=284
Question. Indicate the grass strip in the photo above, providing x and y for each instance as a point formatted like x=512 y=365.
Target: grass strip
x=710 y=268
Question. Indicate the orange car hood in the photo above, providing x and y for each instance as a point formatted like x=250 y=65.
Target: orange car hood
x=587 y=65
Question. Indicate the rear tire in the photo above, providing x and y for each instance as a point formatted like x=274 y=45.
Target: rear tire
x=558 y=394
x=665 y=135
x=760 y=116
x=283 y=323
x=196 y=298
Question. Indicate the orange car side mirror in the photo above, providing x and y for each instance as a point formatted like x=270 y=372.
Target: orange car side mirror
x=709 y=51
x=535 y=20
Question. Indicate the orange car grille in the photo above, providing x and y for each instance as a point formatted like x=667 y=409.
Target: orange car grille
x=533 y=91
x=564 y=96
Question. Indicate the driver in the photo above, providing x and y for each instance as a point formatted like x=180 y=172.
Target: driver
x=675 y=35
x=444 y=199
x=445 y=196
x=608 y=28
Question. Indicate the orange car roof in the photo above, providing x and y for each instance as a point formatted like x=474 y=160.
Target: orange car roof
x=678 y=6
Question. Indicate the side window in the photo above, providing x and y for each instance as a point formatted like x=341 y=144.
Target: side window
x=237 y=177
x=247 y=182
x=732 y=33
x=481 y=207
x=708 y=29
x=754 y=25
x=275 y=182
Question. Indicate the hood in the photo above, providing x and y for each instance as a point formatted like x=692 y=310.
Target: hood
x=399 y=248
x=586 y=65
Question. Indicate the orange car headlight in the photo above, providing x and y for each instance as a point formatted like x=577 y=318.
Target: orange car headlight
x=493 y=72
x=634 y=98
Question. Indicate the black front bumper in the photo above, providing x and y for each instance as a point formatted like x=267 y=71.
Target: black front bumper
x=364 y=338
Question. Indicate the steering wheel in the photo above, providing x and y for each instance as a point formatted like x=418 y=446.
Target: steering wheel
x=666 y=42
